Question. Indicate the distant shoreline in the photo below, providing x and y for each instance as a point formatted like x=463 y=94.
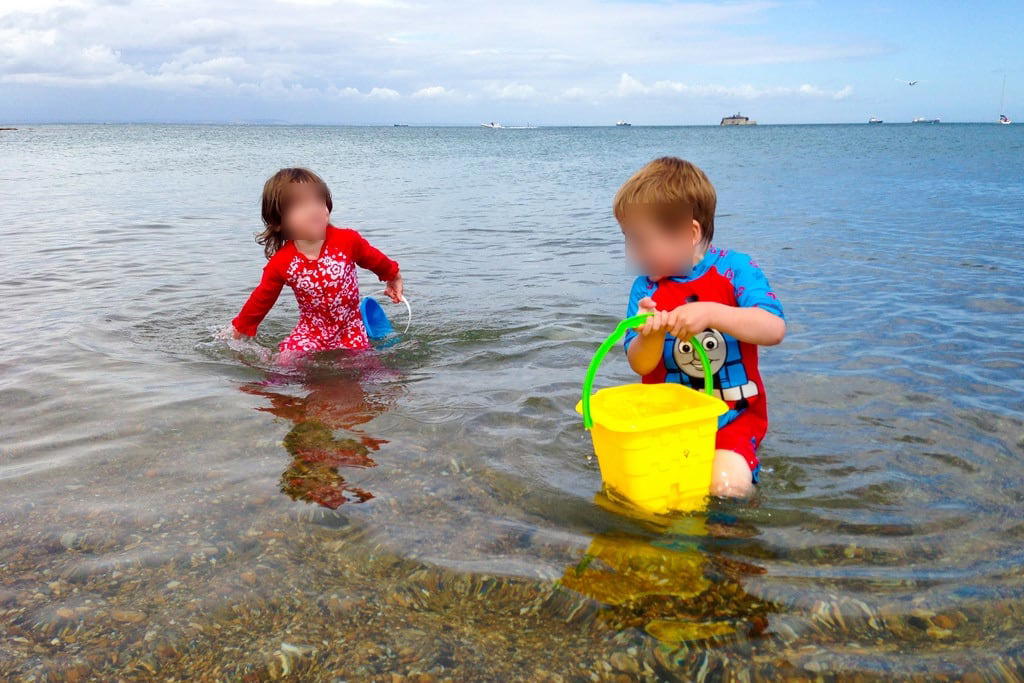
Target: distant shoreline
x=242 y=124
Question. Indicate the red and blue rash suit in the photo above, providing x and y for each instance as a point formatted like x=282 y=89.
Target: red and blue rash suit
x=326 y=289
x=725 y=277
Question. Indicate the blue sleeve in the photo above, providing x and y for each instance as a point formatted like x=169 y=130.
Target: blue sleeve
x=751 y=286
x=638 y=291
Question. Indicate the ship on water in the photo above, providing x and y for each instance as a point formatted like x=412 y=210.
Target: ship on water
x=921 y=119
x=1003 y=118
x=737 y=119
x=875 y=120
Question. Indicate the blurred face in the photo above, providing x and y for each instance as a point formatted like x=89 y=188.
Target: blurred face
x=307 y=215
x=661 y=251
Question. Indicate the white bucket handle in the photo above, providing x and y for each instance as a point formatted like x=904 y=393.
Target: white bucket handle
x=408 y=310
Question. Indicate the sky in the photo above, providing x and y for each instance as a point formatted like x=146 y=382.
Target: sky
x=457 y=62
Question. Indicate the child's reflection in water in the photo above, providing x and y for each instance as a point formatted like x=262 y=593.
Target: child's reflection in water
x=670 y=585
x=338 y=399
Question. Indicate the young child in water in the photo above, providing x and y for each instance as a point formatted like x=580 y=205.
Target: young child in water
x=667 y=214
x=317 y=260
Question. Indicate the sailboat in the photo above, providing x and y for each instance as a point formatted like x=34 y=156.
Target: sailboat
x=1003 y=118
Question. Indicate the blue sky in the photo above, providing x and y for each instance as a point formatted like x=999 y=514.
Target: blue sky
x=463 y=62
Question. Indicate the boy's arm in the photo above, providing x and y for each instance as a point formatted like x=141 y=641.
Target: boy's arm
x=260 y=302
x=756 y=318
x=759 y=318
x=644 y=352
x=644 y=344
x=752 y=325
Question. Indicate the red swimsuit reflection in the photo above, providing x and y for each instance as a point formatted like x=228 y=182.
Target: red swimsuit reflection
x=334 y=403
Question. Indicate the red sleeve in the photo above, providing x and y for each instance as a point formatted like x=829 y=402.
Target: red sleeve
x=368 y=256
x=261 y=300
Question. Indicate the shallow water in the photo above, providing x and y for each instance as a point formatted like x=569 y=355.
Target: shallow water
x=172 y=506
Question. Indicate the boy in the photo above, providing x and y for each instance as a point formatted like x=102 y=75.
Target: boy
x=667 y=214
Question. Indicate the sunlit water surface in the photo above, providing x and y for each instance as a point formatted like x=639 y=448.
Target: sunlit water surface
x=171 y=505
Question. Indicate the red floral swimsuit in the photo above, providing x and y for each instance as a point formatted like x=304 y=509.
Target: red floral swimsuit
x=326 y=289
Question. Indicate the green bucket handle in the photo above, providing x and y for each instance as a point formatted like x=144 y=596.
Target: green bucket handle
x=613 y=338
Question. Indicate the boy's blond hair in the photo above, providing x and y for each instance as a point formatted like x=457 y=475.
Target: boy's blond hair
x=672 y=191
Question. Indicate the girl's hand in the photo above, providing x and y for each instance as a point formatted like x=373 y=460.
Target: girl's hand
x=395 y=288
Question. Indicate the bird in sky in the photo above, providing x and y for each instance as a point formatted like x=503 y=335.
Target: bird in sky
x=903 y=80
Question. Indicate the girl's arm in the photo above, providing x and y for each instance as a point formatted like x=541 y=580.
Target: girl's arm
x=260 y=301
x=368 y=256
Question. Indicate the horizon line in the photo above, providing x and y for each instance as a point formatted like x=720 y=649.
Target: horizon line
x=458 y=125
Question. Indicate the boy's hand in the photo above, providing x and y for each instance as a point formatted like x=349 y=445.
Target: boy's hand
x=395 y=288
x=646 y=305
x=656 y=323
x=690 y=319
x=681 y=322
x=235 y=334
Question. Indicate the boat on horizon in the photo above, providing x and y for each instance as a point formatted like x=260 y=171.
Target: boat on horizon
x=623 y=124
x=1003 y=118
x=874 y=120
x=921 y=119
x=492 y=124
x=737 y=119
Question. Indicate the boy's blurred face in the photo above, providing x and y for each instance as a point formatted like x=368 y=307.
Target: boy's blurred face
x=661 y=250
x=307 y=215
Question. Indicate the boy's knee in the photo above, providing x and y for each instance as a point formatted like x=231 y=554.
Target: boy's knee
x=731 y=475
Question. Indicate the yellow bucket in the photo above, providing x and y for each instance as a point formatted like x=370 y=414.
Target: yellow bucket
x=655 y=443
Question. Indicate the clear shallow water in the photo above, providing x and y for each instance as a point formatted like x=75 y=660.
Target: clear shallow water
x=162 y=495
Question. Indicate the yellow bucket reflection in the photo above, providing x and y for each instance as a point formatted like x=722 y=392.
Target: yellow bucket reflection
x=659 y=589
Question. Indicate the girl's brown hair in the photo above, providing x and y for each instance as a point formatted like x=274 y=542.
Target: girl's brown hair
x=275 y=204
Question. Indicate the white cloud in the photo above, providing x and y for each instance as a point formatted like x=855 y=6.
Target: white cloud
x=511 y=91
x=433 y=91
x=344 y=92
x=383 y=94
x=628 y=86
x=576 y=93
x=381 y=51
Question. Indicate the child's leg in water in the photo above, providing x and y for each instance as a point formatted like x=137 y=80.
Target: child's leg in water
x=306 y=339
x=731 y=475
x=736 y=443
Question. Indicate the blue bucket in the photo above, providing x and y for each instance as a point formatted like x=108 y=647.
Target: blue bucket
x=374 y=319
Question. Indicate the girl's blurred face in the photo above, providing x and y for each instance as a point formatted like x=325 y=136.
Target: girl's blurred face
x=306 y=216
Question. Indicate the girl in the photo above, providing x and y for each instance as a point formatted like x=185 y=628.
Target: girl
x=317 y=260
